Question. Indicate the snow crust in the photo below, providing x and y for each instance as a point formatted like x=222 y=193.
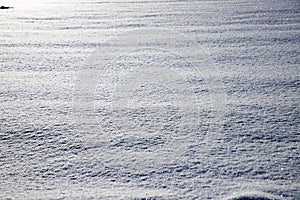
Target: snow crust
x=149 y=99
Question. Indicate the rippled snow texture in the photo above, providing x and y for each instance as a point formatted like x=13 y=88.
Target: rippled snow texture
x=155 y=145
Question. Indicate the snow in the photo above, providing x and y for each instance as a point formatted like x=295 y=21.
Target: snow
x=253 y=195
x=149 y=99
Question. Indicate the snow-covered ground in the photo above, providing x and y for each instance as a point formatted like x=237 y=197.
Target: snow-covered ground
x=172 y=99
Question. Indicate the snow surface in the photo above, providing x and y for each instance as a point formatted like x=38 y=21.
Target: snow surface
x=151 y=99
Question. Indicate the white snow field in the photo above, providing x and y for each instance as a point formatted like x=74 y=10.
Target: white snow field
x=152 y=99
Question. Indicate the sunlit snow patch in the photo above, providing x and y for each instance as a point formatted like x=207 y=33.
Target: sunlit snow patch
x=147 y=98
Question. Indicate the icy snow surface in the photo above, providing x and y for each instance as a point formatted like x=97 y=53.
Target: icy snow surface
x=174 y=99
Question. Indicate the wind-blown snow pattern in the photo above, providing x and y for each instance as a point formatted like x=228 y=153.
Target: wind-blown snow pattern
x=150 y=99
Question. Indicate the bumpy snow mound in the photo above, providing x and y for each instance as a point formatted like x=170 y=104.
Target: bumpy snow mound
x=254 y=196
x=250 y=198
